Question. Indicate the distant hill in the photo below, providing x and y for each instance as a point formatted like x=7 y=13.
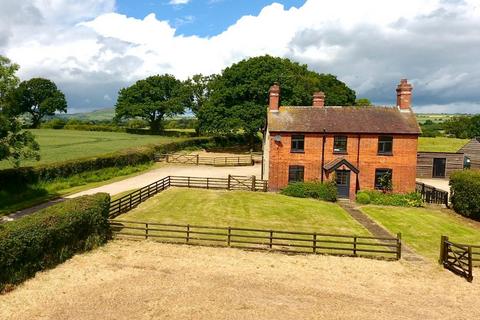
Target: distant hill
x=95 y=115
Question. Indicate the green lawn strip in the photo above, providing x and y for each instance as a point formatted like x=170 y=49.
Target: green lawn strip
x=243 y=209
x=62 y=145
x=64 y=186
x=440 y=144
x=421 y=228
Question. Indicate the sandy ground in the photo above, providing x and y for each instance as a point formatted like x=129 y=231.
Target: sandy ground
x=147 y=280
x=441 y=184
x=171 y=170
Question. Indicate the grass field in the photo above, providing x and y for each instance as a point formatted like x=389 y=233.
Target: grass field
x=421 y=228
x=434 y=117
x=60 y=145
x=245 y=209
x=440 y=144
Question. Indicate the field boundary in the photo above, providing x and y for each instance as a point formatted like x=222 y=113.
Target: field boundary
x=430 y=194
x=261 y=239
x=195 y=159
x=133 y=199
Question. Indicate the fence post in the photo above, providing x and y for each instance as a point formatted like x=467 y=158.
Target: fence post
x=229 y=178
x=120 y=205
x=442 y=249
x=314 y=242
x=198 y=156
x=399 y=246
x=146 y=230
x=271 y=240
x=207 y=183
x=188 y=179
x=253 y=183
x=168 y=158
x=188 y=233
x=229 y=234
x=130 y=204
x=470 y=265
x=354 y=245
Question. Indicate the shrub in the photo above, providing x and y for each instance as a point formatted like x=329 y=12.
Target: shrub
x=412 y=199
x=363 y=198
x=322 y=191
x=51 y=236
x=465 y=188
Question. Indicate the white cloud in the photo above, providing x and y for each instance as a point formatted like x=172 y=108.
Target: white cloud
x=93 y=51
x=178 y=2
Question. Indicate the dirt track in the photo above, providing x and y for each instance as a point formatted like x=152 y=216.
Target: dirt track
x=146 y=280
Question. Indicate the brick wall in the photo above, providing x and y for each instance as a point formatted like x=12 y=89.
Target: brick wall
x=402 y=162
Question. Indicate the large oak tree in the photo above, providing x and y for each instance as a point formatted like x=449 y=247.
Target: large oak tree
x=153 y=99
x=238 y=97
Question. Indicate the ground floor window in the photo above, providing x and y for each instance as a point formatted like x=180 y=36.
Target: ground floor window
x=295 y=173
x=383 y=179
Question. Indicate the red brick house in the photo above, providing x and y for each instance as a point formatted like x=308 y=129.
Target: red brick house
x=356 y=145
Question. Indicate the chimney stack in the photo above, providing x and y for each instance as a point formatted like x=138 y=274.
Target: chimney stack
x=404 y=95
x=274 y=97
x=318 y=99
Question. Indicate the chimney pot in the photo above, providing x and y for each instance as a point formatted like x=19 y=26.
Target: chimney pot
x=274 y=97
x=319 y=99
x=404 y=95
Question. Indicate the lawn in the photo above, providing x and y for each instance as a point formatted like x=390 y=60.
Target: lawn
x=60 y=145
x=440 y=144
x=245 y=209
x=421 y=228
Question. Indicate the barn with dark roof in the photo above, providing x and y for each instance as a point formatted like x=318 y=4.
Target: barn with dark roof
x=356 y=146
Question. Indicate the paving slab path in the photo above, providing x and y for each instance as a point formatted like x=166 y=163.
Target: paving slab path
x=144 y=179
x=377 y=230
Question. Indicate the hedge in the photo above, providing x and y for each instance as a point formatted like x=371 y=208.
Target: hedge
x=317 y=190
x=51 y=236
x=465 y=189
x=16 y=178
x=412 y=199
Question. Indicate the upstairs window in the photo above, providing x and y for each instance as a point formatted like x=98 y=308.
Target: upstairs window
x=298 y=143
x=295 y=174
x=340 y=144
x=385 y=145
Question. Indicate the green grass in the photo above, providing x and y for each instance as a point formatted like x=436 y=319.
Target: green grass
x=421 y=228
x=434 y=117
x=245 y=209
x=61 y=145
x=440 y=144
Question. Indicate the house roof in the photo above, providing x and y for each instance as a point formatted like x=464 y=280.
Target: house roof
x=379 y=120
x=338 y=162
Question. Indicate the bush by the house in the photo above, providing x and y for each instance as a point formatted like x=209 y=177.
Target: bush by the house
x=363 y=198
x=323 y=191
x=465 y=188
x=51 y=236
x=412 y=199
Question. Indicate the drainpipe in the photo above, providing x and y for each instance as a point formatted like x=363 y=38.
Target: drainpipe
x=323 y=153
x=358 y=163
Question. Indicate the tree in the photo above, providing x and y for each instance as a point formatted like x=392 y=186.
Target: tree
x=8 y=79
x=238 y=97
x=38 y=97
x=363 y=102
x=152 y=99
x=16 y=144
x=200 y=91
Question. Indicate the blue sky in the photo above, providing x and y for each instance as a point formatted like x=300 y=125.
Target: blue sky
x=199 y=17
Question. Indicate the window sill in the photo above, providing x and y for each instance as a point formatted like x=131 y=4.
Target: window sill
x=297 y=151
x=340 y=152
x=385 y=154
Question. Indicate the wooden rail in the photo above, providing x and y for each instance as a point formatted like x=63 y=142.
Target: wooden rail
x=131 y=200
x=261 y=239
x=431 y=194
x=196 y=159
x=457 y=258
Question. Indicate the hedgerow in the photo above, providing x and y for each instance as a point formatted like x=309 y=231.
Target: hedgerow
x=412 y=199
x=51 y=236
x=322 y=191
x=465 y=189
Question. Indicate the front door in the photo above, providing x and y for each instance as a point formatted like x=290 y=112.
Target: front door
x=343 y=183
x=439 y=167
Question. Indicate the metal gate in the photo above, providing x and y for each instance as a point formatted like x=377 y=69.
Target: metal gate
x=457 y=258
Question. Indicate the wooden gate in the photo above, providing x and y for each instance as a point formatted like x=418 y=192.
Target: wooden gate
x=183 y=158
x=457 y=258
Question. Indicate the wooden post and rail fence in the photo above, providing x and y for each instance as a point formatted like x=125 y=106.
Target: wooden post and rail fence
x=431 y=194
x=196 y=159
x=261 y=239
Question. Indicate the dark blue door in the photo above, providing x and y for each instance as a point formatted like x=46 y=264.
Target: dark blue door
x=343 y=183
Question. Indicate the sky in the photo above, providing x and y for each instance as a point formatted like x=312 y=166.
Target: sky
x=92 y=48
